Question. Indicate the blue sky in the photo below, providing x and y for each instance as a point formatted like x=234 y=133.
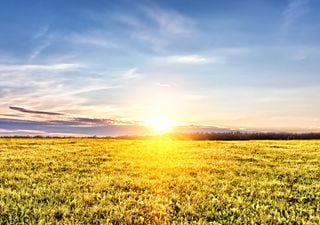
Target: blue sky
x=103 y=67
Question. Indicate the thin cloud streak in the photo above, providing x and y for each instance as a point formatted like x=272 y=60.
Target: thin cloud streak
x=41 y=67
x=61 y=124
x=41 y=33
x=72 y=127
x=44 y=42
x=165 y=85
x=39 y=49
x=88 y=90
x=131 y=74
x=191 y=59
x=73 y=120
x=20 y=109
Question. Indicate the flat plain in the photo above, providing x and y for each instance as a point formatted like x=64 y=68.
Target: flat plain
x=160 y=181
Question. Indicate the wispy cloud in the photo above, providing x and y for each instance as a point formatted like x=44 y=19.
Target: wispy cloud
x=170 y=21
x=94 y=121
x=157 y=28
x=130 y=74
x=41 y=67
x=63 y=124
x=32 y=133
x=127 y=20
x=41 y=33
x=299 y=56
x=42 y=40
x=9 y=115
x=99 y=40
x=10 y=127
x=163 y=85
x=294 y=10
x=39 y=49
x=191 y=59
x=92 y=89
x=68 y=119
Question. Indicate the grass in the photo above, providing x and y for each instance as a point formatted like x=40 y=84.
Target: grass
x=101 y=181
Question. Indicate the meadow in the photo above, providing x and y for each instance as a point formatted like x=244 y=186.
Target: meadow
x=160 y=181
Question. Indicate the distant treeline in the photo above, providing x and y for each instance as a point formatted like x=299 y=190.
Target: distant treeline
x=237 y=135
x=245 y=136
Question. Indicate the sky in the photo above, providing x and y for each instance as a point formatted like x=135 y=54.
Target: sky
x=103 y=67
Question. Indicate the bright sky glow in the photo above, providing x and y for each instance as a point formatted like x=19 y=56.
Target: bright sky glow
x=103 y=67
x=161 y=124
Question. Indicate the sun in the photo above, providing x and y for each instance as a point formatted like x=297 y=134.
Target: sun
x=160 y=124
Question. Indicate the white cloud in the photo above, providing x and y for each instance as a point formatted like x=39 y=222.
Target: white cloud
x=191 y=59
x=166 y=85
x=40 y=67
x=14 y=131
x=130 y=74
x=90 y=89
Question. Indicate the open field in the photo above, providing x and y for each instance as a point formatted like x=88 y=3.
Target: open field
x=101 y=181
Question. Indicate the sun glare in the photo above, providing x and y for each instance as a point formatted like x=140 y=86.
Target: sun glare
x=160 y=124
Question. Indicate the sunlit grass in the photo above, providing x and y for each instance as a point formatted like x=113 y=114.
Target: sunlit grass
x=100 y=181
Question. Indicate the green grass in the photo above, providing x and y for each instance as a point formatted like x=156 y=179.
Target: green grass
x=101 y=181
